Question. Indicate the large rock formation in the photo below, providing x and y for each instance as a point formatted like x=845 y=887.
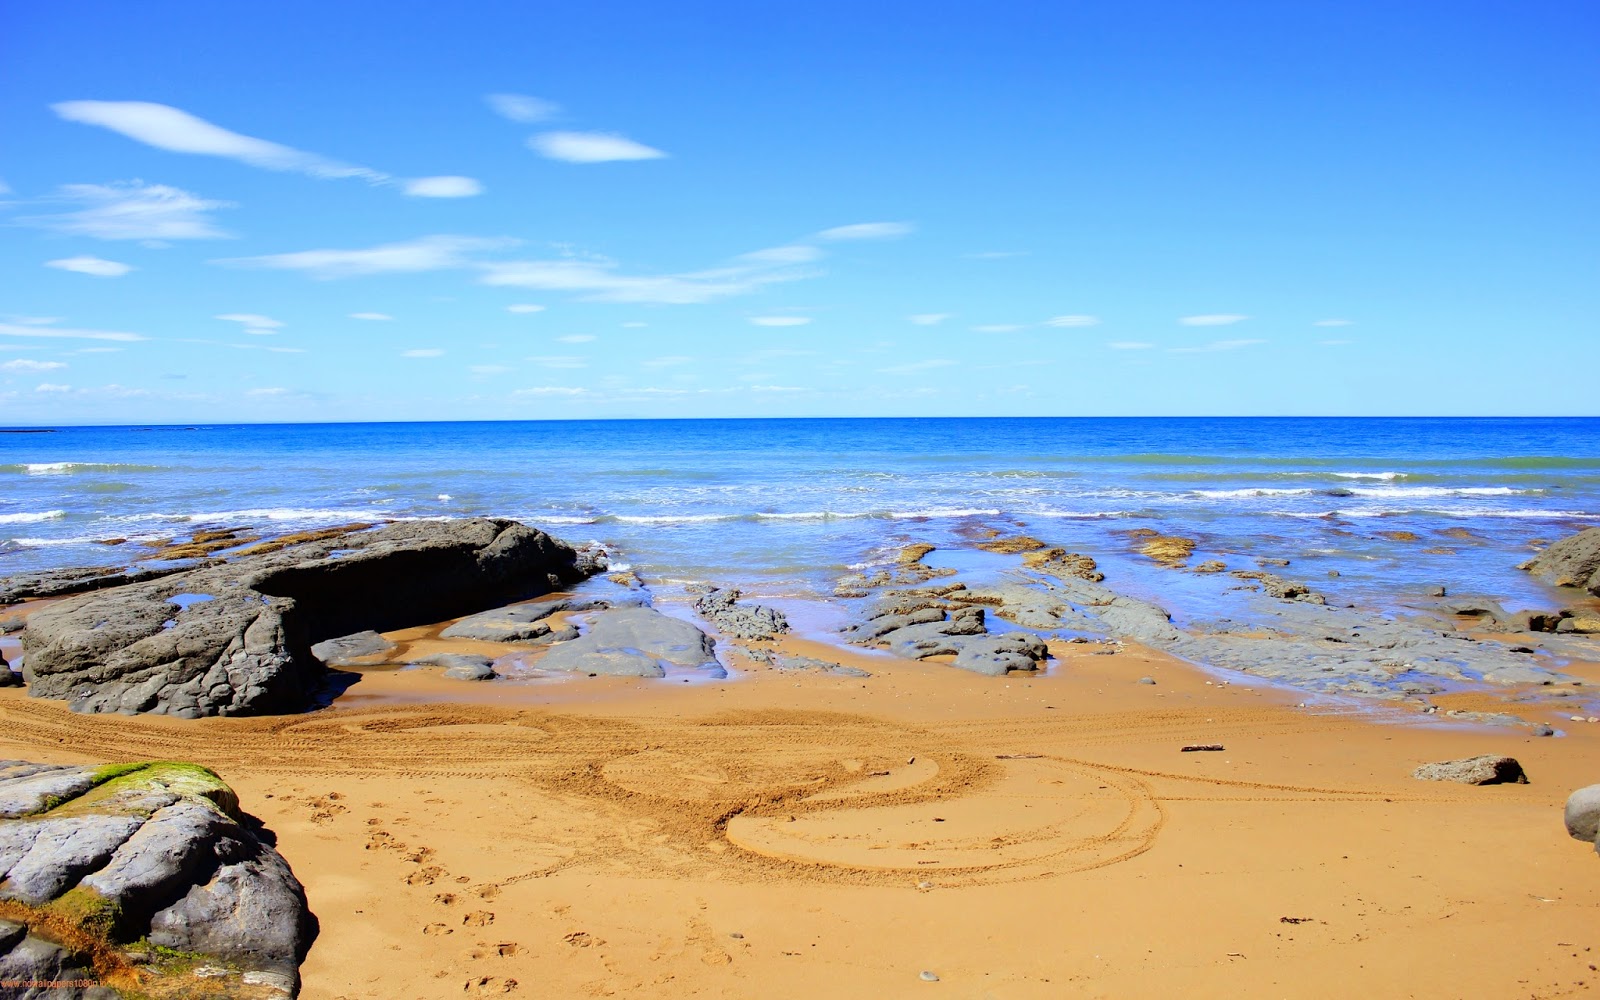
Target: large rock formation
x=236 y=638
x=142 y=880
x=1574 y=561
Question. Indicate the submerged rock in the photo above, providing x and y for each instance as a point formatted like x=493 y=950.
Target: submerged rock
x=1573 y=561
x=635 y=642
x=137 y=876
x=917 y=626
x=740 y=621
x=236 y=638
x=1489 y=769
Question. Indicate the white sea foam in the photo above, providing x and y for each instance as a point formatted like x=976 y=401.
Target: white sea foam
x=673 y=518
x=1255 y=492
x=1414 y=492
x=945 y=512
x=1085 y=514
x=557 y=519
x=1363 y=475
x=1390 y=511
x=63 y=468
x=27 y=518
x=291 y=514
x=806 y=515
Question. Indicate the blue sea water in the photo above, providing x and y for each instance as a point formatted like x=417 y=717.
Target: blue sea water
x=784 y=507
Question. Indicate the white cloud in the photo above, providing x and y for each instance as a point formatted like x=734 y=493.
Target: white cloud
x=524 y=307
x=867 y=231
x=1130 y=345
x=522 y=108
x=51 y=387
x=559 y=361
x=780 y=320
x=10 y=330
x=423 y=352
x=590 y=147
x=132 y=210
x=551 y=390
x=576 y=338
x=778 y=388
x=1333 y=322
x=1213 y=319
x=790 y=253
x=917 y=366
x=599 y=280
x=273 y=390
x=372 y=317
x=427 y=253
x=97 y=266
x=634 y=325
x=997 y=328
x=443 y=187
x=928 y=319
x=24 y=365
x=1072 y=321
x=1216 y=345
x=488 y=369
x=177 y=131
x=671 y=361
x=253 y=323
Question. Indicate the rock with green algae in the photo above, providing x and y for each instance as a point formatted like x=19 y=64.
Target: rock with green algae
x=142 y=880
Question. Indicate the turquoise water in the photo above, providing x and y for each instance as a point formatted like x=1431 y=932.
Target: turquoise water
x=784 y=507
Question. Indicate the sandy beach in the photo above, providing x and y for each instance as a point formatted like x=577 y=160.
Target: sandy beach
x=783 y=834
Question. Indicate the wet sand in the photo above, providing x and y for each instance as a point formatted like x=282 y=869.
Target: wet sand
x=784 y=834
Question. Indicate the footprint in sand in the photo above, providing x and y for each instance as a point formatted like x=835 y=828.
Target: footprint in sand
x=489 y=891
x=424 y=876
x=445 y=898
x=478 y=918
x=437 y=930
x=485 y=986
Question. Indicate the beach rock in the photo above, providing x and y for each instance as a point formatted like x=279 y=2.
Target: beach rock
x=1573 y=561
x=635 y=642
x=1488 y=769
x=787 y=662
x=471 y=672
x=526 y=623
x=76 y=580
x=1579 y=624
x=1583 y=814
x=991 y=655
x=121 y=858
x=351 y=647
x=740 y=621
x=246 y=647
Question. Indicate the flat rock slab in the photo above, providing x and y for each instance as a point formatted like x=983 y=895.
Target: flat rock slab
x=527 y=623
x=635 y=642
x=246 y=648
x=132 y=856
x=351 y=647
x=1583 y=815
x=1489 y=769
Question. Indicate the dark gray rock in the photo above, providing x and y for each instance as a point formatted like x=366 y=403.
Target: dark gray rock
x=32 y=958
x=635 y=642
x=10 y=678
x=351 y=647
x=461 y=666
x=991 y=655
x=1573 y=561
x=77 y=580
x=876 y=628
x=1583 y=814
x=791 y=663
x=526 y=623
x=1489 y=769
x=155 y=852
x=740 y=621
x=247 y=649
x=471 y=672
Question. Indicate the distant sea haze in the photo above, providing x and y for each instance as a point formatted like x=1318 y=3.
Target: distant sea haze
x=783 y=507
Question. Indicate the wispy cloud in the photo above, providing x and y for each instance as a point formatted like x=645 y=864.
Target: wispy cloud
x=1213 y=319
x=1130 y=345
x=551 y=390
x=64 y=333
x=521 y=107
x=1333 y=322
x=997 y=328
x=253 y=323
x=25 y=365
x=867 y=231
x=1072 y=321
x=99 y=267
x=372 y=317
x=428 y=253
x=928 y=319
x=131 y=210
x=177 y=131
x=576 y=338
x=443 y=187
x=780 y=320
x=423 y=352
x=268 y=390
x=52 y=387
x=524 y=308
x=600 y=279
x=1216 y=345
x=917 y=366
x=591 y=147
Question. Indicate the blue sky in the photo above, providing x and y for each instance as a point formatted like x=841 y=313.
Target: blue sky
x=298 y=211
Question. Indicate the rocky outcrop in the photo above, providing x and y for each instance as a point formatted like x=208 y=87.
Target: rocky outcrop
x=235 y=638
x=528 y=623
x=918 y=625
x=145 y=879
x=740 y=621
x=635 y=642
x=1488 y=769
x=1573 y=561
x=76 y=580
x=1583 y=815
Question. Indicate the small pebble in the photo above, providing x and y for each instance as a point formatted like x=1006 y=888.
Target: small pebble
x=929 y=977
x=1147 y=680
x=736 y=936
x=924 y=885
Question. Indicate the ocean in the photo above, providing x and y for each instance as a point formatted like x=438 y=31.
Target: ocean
x=784 y=508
